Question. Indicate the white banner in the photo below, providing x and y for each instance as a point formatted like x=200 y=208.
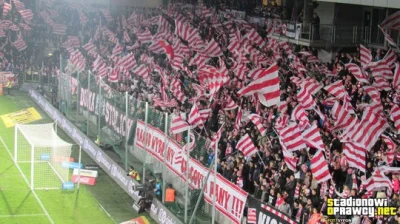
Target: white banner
x=85 y=173
x=230 y=199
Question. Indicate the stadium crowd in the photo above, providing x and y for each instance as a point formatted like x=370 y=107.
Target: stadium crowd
x=346 y=111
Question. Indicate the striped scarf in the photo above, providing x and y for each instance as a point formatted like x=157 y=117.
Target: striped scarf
x=297 y=191
x=331 y=190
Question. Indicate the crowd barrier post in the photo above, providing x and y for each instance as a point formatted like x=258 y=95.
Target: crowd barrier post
x=79 y=169
x=126 y=129
x=215 y=183
x=146 y=116
x=77 y=96
x=88 y=96
x=187 y=175
x=99 y=111
x=165 y=156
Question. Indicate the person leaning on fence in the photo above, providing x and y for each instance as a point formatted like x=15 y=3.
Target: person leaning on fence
x=157 y=189
x=134 y=174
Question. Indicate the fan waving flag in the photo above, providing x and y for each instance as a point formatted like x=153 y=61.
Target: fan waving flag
x=392 y=21
x=355 y=156
x=388 y=38
x=266 y=86
x=195 y=117
x=246 y=146
x=365 y=56
x=256 y=119
x=313 y=138
x=20 y=44
x=319 y=167
x=215 y=138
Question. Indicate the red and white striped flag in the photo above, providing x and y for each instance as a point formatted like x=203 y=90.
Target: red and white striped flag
x=288 y=157
x=20 y=44
x=194 y=117
x=142 y=71
x=145 y=37
x=251 y=216
x=381 y=84
x=117 y=50
x=229 y=103
x=319 y=167
x=313 y=138
x=373 y=93
x=391 y=149
x=291 y=137
x=299 y=114
x=388 y=38
x=305 y=99
x=256 y=119
x=381 y=68
x=395 y=116
x=107 y=15
x=176 y=89
x=365 y=56
x=215 y=139
x=59 y=29
x=212 y=49
x=378 y=181
x=113 y=76
x=128 y=62
x=6 y=9
x=392 y=21
x=367 y=131
x=336 y=89
x=267 y=87
x=19 y=5
x=27 y=15
x=356 y=156
x=238 y=119
x=205 y=114
x=178 y=125
x=89 y=47
x=256 y=38
x=357 y=73
x=127 y=39
x=396 y=77
x=311 y=85
x=246 y=146
x=390 y=58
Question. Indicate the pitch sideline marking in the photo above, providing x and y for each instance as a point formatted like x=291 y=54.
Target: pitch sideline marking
x=22 y=215
x=27 y=182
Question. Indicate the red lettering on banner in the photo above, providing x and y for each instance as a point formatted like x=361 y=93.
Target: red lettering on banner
x=107 y=115
x=139 y=135
x=170 y=155
x=92 y=97
x=196 y=177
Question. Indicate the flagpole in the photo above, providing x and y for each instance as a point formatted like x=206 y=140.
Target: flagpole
x=215 y=182
x=187 y=177
x=215 y=177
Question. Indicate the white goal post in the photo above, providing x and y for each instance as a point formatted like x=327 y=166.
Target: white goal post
x=42 y=155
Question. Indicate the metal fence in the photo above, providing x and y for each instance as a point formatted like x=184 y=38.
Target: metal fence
x=111 y=117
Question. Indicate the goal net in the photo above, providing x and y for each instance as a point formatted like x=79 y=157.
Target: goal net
x=40 y=153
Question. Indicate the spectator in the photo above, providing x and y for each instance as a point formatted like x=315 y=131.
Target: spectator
x=315 y=25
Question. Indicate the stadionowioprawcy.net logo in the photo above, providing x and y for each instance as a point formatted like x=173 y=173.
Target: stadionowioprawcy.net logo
x=370 y=207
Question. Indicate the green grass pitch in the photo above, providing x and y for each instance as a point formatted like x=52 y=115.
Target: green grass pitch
x=18 y=205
